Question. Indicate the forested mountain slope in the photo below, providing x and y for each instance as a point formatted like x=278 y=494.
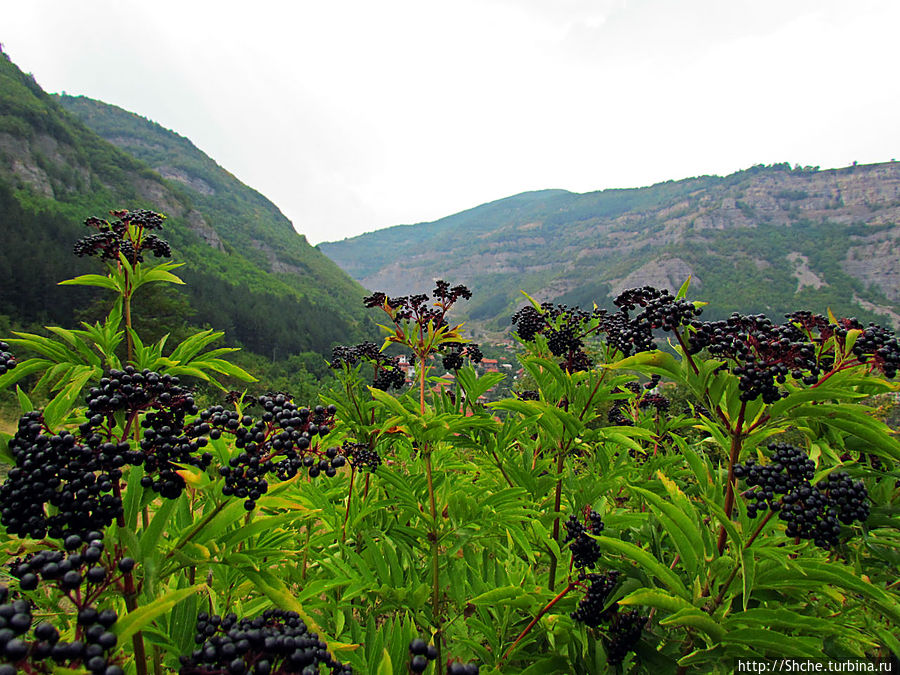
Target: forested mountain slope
x=248 y=271
x=769 y=239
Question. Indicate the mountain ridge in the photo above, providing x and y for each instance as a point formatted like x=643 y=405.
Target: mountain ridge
x=248 y=271
x=796 y=236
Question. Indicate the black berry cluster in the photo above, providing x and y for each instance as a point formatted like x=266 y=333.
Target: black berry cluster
x=623 y=634
x=585 y=550
x=127 y=234
x=874 y=344
x=420 y=654
x=590 y=610
x=360 y=456
x=165 y=406
x=763 y=354
x=656 y=309
x=623 y=629
x=454 y=352
x=387 y=370
x=813 y=512
x=80 y=573
x=282 y=441
x=419 y=308
x=61 y=471
x=459 y=668
x=565 y=329
x=7 y=360
x=274 y=643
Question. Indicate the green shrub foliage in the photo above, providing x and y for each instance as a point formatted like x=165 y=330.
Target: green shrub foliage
x=670 y=495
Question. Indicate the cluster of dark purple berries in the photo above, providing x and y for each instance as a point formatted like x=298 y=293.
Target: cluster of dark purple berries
x=125 y=235
x=418 y=308
x=420 y=654
x=874 y=344
x=61 y=471
x=79 y=574
x=655 y=309
x=763 y=354
x=361 y=456
x=565 y=329
x=165 y=443
x=810 y=511
x=454 y=352
x=623 y=629
x=274 y=643
x=7 y=360
x=585 y=550
x=459 y=668
x=387 y=371
x=282 y=442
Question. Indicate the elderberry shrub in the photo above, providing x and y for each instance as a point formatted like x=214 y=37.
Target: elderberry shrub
x=388 y=372
x=274 y=643
x=127 y=234
x=420 y=654
x=281 y=442
x=80 y=573
x=585 y=550
x=813 y=512
x=7 y=360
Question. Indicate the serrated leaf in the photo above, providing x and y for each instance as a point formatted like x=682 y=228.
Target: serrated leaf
x=92 y=280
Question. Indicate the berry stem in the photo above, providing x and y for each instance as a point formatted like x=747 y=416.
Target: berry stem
x=721 y=596
x=347 y=511
x=543 y=611
x=557 y=502
x=737 y=435
x=137 y=640
x=435 y=563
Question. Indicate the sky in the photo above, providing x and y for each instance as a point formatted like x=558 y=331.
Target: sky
x=353 y=115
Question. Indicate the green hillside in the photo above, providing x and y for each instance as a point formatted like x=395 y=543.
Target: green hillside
x=768 y=239
x=248 y=271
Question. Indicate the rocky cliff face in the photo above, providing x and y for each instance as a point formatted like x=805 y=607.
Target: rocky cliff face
x=772 y=237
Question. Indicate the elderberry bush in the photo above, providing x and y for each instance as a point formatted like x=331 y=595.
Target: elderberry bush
x=81 y=573
x=282 y=441
x=813 y=512
x=127 y=234
x=274 y=643
x=7 y=360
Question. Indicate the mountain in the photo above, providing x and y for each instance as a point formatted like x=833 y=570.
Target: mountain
x=63 y=159
x=770 y=240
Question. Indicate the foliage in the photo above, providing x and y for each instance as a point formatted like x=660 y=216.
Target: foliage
x=584 y=527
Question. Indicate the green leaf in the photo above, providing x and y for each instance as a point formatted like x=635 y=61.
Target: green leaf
x=92 y=280
x=58 y=409
x=132 y=622
x=684 y=533
x=384 y=666
x=646 y=561
x=763 y=641
x=695 y=618
x=25 y=404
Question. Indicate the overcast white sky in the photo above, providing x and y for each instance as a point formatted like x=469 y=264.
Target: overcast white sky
x=359 y=114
